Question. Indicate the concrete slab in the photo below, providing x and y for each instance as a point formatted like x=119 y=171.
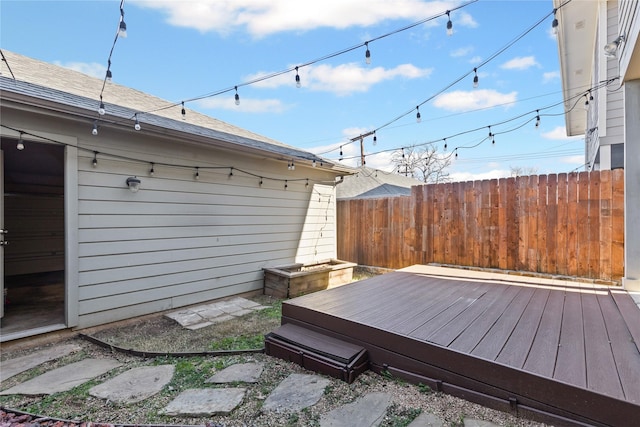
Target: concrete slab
x=240 y=372
x=12 y=367
x=208 y=314
x=206 y=401
x=368 y=411
x=64 y=378
x=427 y=420
x=135 y=384
x=296 y=392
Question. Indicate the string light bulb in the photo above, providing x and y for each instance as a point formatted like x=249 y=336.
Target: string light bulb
x=94 y=131
x=286 y=184
x=537 y=119
x=375 y=138
x=230 y=172
x=122 y=28
x=313 y=163
x=94 y=162
x=20 y=145
x=418 y=116
x=367 y=54
x=260 y=183
x=554 y=23
x=152 y=170
x=475 y=78
x=307 y=184
x=183 y=112
x=101 y=110
x=196 y=176
x=445 y=144
x=137 y=126
x=237 y=97
x=109 y=76
x=449 y=25
x=298 y=84
x=341 y=153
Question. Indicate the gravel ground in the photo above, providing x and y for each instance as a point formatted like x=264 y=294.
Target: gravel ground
x=408 y=400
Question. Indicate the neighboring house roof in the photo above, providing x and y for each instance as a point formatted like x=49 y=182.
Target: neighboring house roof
x=578 y=24
x=49 y=83
x=372 y=183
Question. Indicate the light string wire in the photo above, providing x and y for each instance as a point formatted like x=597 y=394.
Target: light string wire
x=8 y=66
x=113 y=45
x=295 y=68
x=576 y=97
x=154 y=163
x=459 y=79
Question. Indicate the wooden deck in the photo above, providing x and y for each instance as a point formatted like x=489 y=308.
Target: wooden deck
x=556 y=351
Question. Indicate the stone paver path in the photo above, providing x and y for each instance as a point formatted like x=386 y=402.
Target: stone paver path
x=64 y=378
x=368 y=411
x=206 y=401
x=15 y=366
x=209 y=314
x=135 y=384
x=296 y=392
x=238 y=373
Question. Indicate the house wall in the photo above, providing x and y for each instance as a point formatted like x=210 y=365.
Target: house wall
x=180 y=241
x=606 y=117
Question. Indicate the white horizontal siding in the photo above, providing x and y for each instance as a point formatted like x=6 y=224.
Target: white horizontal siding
x=181 y=241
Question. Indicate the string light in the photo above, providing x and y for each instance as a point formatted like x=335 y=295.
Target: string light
x=94 y=162
x=375 y=138
x=292 y=166
x=230 y=172
x=367 y=54
x=306 y=185
x=122 y=27
x=20 y=145
x=449 y=25
x=418 y=116
x=196 y=176
x=537 y=119
x=237 y=96
x=94 y=131
x=286 y=184
x=260 y=183
x=298 y=84
x=183 y=112
x=101 y=109
x=445 y=144
x=554 y=23
x=152 y=170
x=136 y=126
x=109 y=75
x=314 y=163
x=475 y=78
x=341 y=153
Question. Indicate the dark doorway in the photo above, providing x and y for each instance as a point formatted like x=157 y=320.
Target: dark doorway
x=34 y=256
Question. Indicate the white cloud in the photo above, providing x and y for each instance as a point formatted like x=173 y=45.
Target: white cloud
x=247 y=105
x=474 y=100
x=520 y=63
x=475 y=60
x=550 y=76
x=261 y=18
x=93 y=69
x=463 y=51
x=559 y=133
x=468 y=176
x=573 y=160
x=342 y=79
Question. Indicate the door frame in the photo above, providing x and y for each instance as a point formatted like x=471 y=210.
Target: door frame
x=70 y=209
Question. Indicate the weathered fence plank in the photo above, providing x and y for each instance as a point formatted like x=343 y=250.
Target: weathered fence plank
x=566 y=224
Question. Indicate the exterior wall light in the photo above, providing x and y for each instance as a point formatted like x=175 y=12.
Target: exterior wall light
x=133 y=183
x=611 y=48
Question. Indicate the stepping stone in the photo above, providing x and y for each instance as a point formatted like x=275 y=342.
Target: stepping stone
x=17 y=365
x=296 y=392
x=427 y=420
x=368 y=411
x=471 y=422
x=135 y=384
x=206 y=401
x=64 y=378
x=208 y=314
x=240 y=372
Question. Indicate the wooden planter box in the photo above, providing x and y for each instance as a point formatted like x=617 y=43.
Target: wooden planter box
x=293 y=280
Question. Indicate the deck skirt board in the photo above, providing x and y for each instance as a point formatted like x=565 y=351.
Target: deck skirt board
x=539 y=345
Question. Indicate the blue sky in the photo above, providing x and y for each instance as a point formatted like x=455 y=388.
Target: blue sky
x=180 y=50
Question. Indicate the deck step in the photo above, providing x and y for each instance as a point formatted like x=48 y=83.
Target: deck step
x=317 y=352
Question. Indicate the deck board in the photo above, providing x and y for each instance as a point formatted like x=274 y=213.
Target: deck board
x=556 y=349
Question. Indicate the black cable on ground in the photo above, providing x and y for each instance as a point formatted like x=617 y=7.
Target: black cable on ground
x=154 y=354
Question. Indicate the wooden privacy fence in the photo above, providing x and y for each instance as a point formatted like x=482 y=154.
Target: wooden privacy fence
x=565 y=224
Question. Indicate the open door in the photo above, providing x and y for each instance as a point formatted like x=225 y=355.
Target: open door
x=32 y=264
